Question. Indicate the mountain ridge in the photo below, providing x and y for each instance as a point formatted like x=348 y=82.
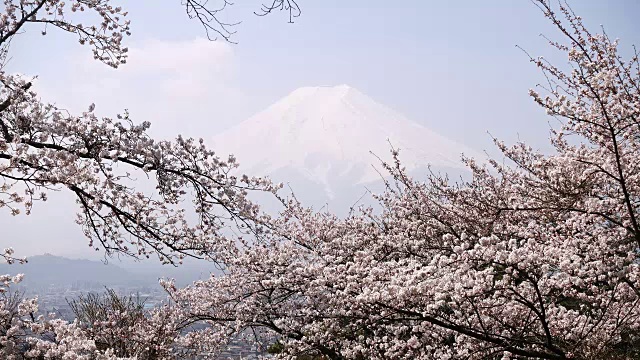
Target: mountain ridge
x=52 y=270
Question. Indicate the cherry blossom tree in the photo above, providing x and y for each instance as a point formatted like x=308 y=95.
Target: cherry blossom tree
x=44 y=148
x=26 y=335
x=107 y=327
x=535 y=257
x=123 y=325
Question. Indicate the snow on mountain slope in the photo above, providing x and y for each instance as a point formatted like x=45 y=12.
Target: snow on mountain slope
x=327 y=133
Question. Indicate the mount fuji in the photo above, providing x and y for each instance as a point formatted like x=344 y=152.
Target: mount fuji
x=325 y=138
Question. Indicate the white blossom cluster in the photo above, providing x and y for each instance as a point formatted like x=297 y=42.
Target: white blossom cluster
x=44 y=148
x=534 y=258
x=117 y=336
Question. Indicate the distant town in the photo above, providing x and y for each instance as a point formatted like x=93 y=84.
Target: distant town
x=56 y=280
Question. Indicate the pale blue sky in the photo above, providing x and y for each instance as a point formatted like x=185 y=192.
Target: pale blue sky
x=450 y=65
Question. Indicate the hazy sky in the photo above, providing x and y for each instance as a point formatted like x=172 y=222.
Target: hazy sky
x=450 y=65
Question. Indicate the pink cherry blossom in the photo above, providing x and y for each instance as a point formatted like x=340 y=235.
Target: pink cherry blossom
x=535 y=257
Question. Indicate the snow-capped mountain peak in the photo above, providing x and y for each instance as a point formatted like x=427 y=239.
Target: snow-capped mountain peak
x=329 y=132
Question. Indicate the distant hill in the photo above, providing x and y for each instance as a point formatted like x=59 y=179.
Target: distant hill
x=51 y=270
x=47 y=270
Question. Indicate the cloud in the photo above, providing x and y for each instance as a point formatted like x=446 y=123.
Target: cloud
x=178 y=86
x=181 y=69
